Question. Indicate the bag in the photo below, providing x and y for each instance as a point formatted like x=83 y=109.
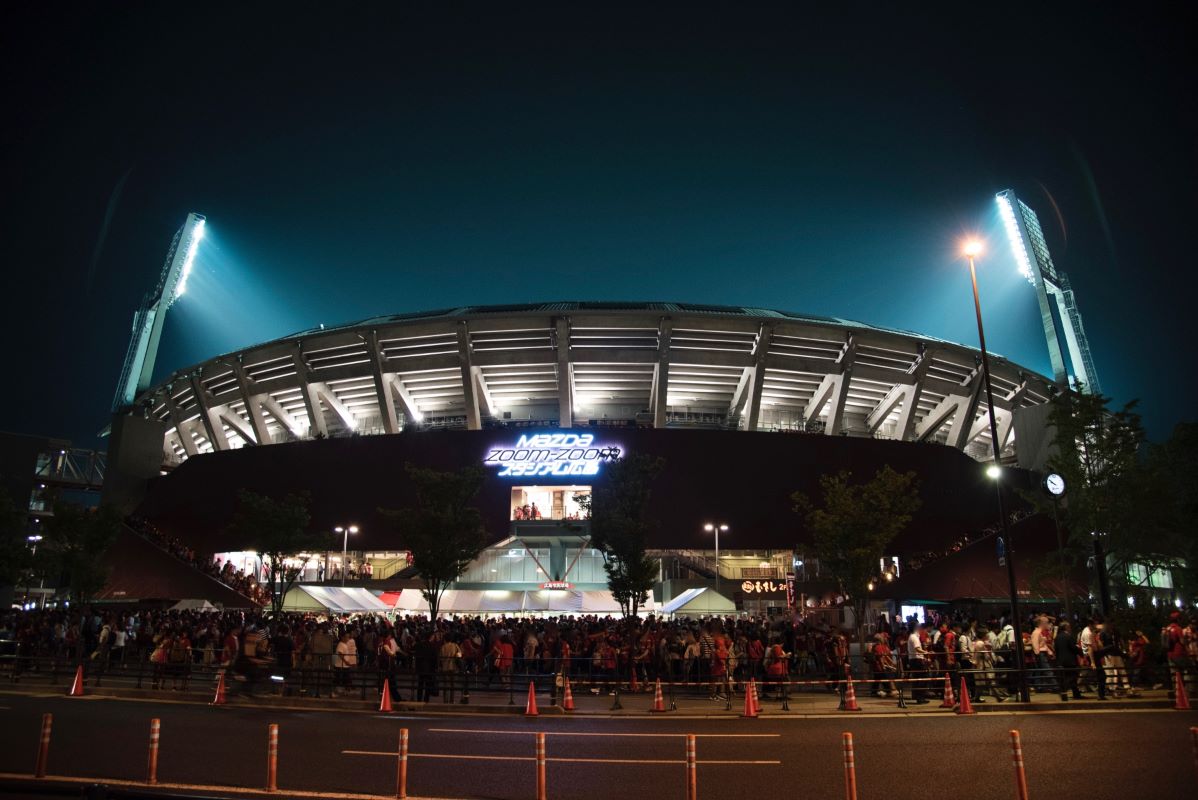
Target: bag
x=159 y=655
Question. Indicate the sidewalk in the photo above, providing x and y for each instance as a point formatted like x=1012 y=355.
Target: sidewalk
x=483 y=702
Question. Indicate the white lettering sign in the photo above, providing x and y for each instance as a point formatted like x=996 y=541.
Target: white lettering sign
x=550 y=455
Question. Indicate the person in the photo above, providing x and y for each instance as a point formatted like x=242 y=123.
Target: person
x=1173 y=641
x=427 y=654
x=536 y=512
x=983 y=658
x=388 y=663
x=1041 y=644
x=1098 y=657
x=346 y=661
x=1113 y=663
x=884 y=666
x=966 y=667
x=450 y=657
x=915 y=664
x=1068 y=654
x=1137 y=659
x=720 y=688
x=776 y=662
x=503 y=655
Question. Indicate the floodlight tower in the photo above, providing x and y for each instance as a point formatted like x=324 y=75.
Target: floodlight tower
x=147 y=320
x=1063 y=330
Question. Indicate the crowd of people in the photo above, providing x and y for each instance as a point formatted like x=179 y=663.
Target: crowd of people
x=245 y=583
x=717 y=655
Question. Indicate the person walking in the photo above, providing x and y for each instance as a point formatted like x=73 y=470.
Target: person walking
x=1068 y=660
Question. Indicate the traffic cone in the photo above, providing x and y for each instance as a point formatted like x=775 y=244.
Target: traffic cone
x=949 y=701
x=385 y=700
x=659 y=703
x=965 y=707
x=756 y=698
x=219 y=698
x=567 y=695
x=530 y=708
x=850 y=694
x=1181 y=701
x=77 y=686
x=750 y=701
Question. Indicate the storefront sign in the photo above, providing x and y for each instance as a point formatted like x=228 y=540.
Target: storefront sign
x=557 y=585
x=762 y=587
x=790 y=590
x=551 y=455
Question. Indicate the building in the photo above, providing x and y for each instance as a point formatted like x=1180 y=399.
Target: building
x=745 y=405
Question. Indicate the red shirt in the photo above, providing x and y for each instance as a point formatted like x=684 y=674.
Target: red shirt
x=1176 y=645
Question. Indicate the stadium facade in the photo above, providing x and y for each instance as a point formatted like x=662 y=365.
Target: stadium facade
x=542 y=397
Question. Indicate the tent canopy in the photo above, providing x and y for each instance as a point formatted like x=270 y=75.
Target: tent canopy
x=335 y=599
x=503 y=601
x=699 y=601
x=194 y=604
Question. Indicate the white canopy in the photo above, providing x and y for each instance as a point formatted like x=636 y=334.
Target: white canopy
x=336 y=599
x=505 y=601
x=194 y=604
x=699 y=601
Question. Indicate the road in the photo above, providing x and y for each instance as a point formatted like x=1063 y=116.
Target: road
x=1119 y=754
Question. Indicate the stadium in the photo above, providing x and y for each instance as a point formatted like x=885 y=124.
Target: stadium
x=745 y=405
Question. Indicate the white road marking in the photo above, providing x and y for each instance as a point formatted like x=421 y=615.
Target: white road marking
x=672 y=761
x=579 y=733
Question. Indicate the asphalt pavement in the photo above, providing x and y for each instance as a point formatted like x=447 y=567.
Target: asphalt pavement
x=1091 y=754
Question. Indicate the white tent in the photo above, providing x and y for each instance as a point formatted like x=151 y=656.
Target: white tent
x=335 y=599
x=698 y=602
x=194 y=604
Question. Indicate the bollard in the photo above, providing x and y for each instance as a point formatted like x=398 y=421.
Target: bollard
x=1194 y=734
x=272 y=758
x=152 y=759
x=401 y=780
x=43 y=747
x=692 y=778
x=850 y=767
x=1017 y=759
x=541 y=794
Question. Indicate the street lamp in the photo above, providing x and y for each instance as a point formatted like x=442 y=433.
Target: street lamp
x=972 y=249
x=716 y=527
x=345 y=531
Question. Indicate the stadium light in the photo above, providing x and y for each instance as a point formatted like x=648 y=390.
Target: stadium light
x=716 y=528
x=197 y=233
x=1007 y=211
x=345 y=531
x=972 y=247
x=993 y=472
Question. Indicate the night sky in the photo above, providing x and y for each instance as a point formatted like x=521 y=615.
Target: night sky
x=353 y=164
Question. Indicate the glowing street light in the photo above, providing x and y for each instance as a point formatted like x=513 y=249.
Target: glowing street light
x=716 y=527
x=345 y=530
x=971 y=249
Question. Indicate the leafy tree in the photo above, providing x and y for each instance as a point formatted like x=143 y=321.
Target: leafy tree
x=1111 y=489
x=853 y=526
x=620 y=527
x=279 y=531
x=443 y=529
x=76 y=539
x=1172 y=492
x=16 y=559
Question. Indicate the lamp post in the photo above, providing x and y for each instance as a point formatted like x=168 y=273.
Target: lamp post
x=345 y=531
x=716 y=527
x=33 y=542
x=972 y=249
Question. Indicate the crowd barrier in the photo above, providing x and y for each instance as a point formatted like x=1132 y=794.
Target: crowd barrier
x=456 y=687
x=690 y=778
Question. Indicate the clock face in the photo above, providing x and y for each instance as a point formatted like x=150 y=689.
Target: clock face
x=1055 y=484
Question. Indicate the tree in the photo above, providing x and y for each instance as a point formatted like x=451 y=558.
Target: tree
x=620 y=527
x=279 y=531
x=443 y=529
x=854 y=525
x=1110 y=489
x=15 y=556
x=1171 y=467
x=74 y=543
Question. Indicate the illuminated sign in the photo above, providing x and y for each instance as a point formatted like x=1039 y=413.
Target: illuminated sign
x=557 y=585
x=551 y=455
x=762 y=587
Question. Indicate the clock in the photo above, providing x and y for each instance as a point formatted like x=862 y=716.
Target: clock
x=1055 y=484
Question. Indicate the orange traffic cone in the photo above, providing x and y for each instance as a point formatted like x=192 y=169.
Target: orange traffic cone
x=567 y=695
x=219 y=698
x=850 y=694
x=756 y=699
x=659 y=703
x=530 y=709
x=385 y=700
x=949 y=701
x=77 y=686
x=750 y=704
x=632 y=685
x=965 y=707
x=1181 y=701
